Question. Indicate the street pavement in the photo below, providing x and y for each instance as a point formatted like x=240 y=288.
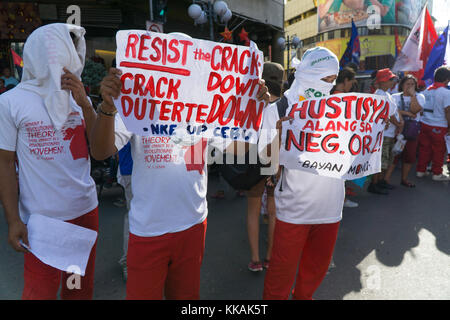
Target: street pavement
x=390 y=247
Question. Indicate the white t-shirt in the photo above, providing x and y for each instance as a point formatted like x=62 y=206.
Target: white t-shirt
x=54 y=166
x=407 y=100
x=390 y=131
x=304 y=198
x=169 y=195
x=434 y=110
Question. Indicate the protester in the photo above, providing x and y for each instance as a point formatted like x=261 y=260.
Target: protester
x=8 y=78
x=345 y=82
x=308 y=206
x=167 y=237
x=410 y=104
x=273 y=74
x=435 y=126
x=386 y=80
x=54 y=181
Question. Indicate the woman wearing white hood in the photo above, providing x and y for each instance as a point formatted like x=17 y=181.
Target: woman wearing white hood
x=309 y=207
x=44 y=121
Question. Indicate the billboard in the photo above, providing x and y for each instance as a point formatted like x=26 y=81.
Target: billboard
x=338 y=14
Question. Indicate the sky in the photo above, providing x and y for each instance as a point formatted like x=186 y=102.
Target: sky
x=441 y=11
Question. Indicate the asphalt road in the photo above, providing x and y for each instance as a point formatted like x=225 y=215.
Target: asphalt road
x=390 y=247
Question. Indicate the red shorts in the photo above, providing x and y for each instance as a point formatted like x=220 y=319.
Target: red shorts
x=166 y=265
x=41 y=281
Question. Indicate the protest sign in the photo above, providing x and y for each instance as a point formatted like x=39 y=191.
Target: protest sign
x=173 y=84
x=338 y=136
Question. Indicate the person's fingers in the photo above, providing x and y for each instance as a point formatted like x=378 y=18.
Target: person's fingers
x=115 y=72
x=112 y=82
x=262 y=90
x=111 y=89
x=71 y=88
x=18 y=247
x=25 y=238
x=107 y=94
x=286 y=118
x=15 y=244
x=279 y=124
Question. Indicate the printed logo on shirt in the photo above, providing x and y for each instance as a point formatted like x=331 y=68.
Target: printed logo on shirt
x=194 y=156
x=74 y=131
x=78 y=145
x=161 y=151
x=43 y=142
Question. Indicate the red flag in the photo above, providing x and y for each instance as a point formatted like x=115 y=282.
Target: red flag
x=415 y=51
x=428 y=39
x=17 y=59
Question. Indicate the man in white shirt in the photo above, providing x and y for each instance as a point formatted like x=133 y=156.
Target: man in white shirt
x=168 y=211
x=435 y=126
x=386 y=80
x=44 y=121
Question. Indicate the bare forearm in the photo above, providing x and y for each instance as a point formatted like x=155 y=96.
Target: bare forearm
x=415 y=106
x=9 y=191
x=102 y=137
x=89 y=116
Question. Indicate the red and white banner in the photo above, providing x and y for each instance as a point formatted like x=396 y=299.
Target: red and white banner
x=338 y=136
x=177 y=85
x=417 y=48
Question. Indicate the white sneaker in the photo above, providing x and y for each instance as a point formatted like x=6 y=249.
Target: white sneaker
x=350 y=204
x=440 y=177
x=420 y=174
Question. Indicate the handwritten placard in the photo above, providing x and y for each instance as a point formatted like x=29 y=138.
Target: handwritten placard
x=339 y=136
x=177 y=85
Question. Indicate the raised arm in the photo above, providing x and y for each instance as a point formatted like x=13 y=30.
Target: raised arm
x=70 y=82
x=102 y=134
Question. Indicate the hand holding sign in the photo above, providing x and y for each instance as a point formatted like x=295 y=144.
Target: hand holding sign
x=17 y=231
x=173 y=83
x=263 y=92
x=338 y=136
x=110 y=88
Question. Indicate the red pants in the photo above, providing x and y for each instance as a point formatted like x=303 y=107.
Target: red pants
x=312 y=245
x=42 y=281
x=431 y=148
x=166 y=265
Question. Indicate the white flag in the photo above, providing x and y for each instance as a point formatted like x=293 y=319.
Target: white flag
x=409 y=58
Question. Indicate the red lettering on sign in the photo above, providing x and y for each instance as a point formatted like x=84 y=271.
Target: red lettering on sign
x=133 y=40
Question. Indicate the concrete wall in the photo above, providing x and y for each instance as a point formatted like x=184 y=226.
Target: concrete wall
x=295 y=7
x=265 y=11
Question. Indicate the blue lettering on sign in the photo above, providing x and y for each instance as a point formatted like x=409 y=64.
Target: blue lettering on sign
x=199 y=130
x=162 y=129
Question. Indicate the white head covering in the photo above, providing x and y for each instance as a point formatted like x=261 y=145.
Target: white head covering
x=47 y=50
x=316 y=63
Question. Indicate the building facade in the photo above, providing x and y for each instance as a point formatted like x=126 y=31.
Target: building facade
x=262 y=20
x=327 y=23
